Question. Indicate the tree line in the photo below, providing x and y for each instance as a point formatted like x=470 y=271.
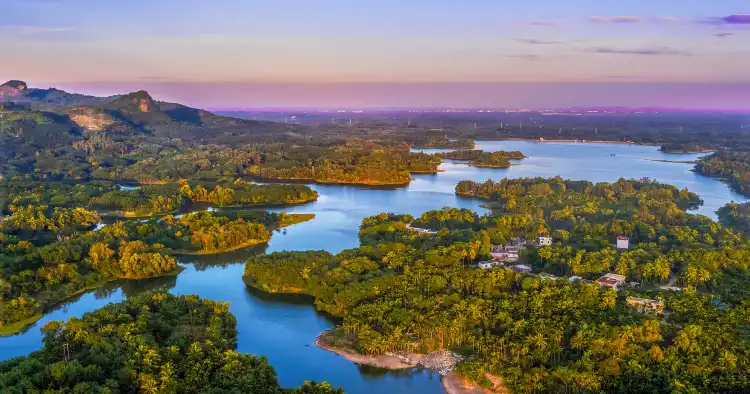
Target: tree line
x=150 y=343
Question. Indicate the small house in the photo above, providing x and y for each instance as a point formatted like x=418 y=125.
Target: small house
x=546 y=276
x=623 y=243
x=646 y=305
x=521 y=268
x=505 y=256
x=543 y=241
x=487 y=264
x=613 y=281
x=574 y=278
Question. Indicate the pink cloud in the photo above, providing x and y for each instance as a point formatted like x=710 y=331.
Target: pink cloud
x=616 y=19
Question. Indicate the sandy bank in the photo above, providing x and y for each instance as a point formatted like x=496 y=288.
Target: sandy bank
x=386 y=361
x=441 y=362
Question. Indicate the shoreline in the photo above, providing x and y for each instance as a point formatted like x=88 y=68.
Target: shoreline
x=21 y=326
x=610 y=142
x=578 y=141
x=451 y=382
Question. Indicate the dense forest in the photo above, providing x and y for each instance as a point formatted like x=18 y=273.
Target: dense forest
x=407 y=290
x=351 y=163
x=736 y=215
x=731 y=165
x=149 y=200
x=478 y=158
x=35 y=276
x=151 y=343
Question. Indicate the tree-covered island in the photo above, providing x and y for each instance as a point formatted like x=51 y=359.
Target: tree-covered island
x=410 y=292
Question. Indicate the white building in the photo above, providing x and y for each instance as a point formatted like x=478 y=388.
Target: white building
x=488 y=264
x=543 y=241
x=623 y=243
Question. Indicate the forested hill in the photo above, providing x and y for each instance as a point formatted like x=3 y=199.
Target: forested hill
x=19 y=92
x=133 y=113
x=73 y=141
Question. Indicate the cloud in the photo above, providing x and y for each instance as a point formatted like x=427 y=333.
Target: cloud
x=722 y=35
x=667 y=18
x=532 y=41
x=37 y=30
x=739 y=19
x=545 y=22
x=616 y=19
x=525 y=57
x=644 y=51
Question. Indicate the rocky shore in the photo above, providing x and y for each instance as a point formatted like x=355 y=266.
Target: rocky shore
x=441 y=362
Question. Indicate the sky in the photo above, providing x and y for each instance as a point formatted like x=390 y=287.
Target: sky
x=387 y=53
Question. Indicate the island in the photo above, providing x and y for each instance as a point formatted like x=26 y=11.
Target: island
x=71 y=257
x=566 y=284
x=478 y=158
x=155 y=342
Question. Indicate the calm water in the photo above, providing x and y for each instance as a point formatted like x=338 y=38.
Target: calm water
x=284 y=328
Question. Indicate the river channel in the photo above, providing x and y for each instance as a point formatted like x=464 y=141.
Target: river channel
x=283 y=328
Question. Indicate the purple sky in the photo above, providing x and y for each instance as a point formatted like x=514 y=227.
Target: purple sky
x=387 y=53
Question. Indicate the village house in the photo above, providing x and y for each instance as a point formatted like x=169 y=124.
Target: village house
x=543 y=241
x=646 y=305
x=521 y=268
x=488 y=264
x=547 y=276
x=500 y=254
x=623 y=243
x=611 y=280
x=508 y=252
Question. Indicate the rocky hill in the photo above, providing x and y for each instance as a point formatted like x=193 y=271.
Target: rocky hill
x=19 y=92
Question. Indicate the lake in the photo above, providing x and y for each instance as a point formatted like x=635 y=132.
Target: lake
x=283 y=328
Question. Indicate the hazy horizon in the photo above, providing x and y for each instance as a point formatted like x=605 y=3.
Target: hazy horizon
x=225 y=96
x=335 y=53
